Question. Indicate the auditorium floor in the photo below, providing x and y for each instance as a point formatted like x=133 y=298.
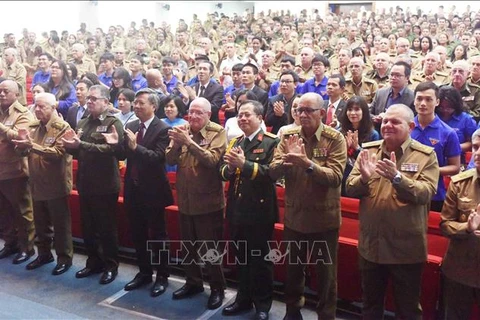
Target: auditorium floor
x=39 y=295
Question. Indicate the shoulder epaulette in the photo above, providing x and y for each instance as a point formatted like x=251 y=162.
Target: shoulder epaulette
x=441 y=73
x=329 y=132
x=463 y=175
x=372 y=144
x=270 y=135
x=60 y=125
x=232 y=143
x=20 y=108
x=292 y=131
x=421 y=147
x=35 y=123
x=473 y=85
x=212 y=126
x=369 y=80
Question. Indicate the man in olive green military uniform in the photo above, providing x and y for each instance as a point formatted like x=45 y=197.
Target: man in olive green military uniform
x=429 y=72
x=15 y=197
x=98 y=184
x=381 y=70
x=397 y=176
x=461 y=223
x=358 y=85
x=252 y=209
x=312 y=158
x=81 y=61
x=51 y=181
x=197 y=149
x=470 y=92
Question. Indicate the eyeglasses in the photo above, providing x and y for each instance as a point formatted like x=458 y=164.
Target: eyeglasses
x=396 y=75
x=54 y=67
x=300 y=110
x=93 y=98
x=286 y=81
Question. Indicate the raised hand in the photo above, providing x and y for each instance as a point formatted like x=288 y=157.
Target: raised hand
x=70 y=139
x=387 y=168
x=278 y=108
x=367 y=165
x=131 y=139
x=22 y=134
x=293 y=143
x=235 y=159
x=474 y=221
x=112 y=136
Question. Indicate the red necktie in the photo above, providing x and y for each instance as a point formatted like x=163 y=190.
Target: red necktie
x=141 y=133
x=330 y=112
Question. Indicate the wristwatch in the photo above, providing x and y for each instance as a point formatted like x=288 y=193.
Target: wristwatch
x=397 y=179
x=309 y=169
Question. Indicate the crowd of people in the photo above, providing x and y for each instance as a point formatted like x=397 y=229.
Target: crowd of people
x=381 y=107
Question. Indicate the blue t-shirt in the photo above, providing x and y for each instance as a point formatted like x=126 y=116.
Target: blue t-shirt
x=444 y=140
x=139 y=82
x=40 y=77
x=321 y=89
x=106 y=79
x=464 y=126
x=274 y=89
x=171 y=84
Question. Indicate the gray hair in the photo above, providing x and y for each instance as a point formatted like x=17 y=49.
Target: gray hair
x=47 y=97
x=476 y=134
x=257 y=106
x=202 y=103
x=153 y=97
x=314 y=97
x=104 y=92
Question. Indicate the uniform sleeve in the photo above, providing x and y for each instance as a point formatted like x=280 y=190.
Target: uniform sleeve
x=452 y=146
x=256 y=171
x=22 y=122
x=354 y=186
x=210 y=156
x=104 y=147
x=56 y=151
x=422 y=189
x=450 y=226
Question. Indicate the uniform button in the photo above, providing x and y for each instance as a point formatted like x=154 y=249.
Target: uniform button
x=257 y=159
x=239 y=195
x=262 y=201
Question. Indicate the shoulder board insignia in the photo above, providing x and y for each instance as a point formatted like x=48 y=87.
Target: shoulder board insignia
x=421 y=147
x=35 y=123
x=212 y=126
x=292 y=131
x=473 y=85
x=372 y=144
x=59 y=125
x=463 y=175
x=330 y=132
x=20 y=108
x=270 y=135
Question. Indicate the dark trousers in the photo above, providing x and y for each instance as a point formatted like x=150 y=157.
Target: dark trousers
x=255 y=281
x=406 y=280
x=205 y=227
x=16 y=213
x=147 y=224
x=99 y=227
x=459 y=299
x=53 y=220
x=325 y=268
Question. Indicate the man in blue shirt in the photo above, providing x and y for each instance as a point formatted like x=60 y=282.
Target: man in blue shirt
x=43 y=74
x=287 y=63
x=107 y=63
x=169 y=79
x=136 y=67
x=318 y=83
x=431 y=131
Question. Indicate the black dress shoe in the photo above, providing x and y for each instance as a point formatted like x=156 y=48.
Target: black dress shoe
x=108 y=276
x=7 y=252
x=236 y=308
x=261 y=315
x=139 y=280
x=21 y=257
x=186 y=291
x=216 y=299
x=159 y=287
x=85 y=272
x=40 y=261
x=61 y=268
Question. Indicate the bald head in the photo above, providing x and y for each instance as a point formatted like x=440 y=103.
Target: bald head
x=154 y=78
x=8 y=93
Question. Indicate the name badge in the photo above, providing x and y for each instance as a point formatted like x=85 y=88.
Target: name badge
x=258 y=151
x=320 y=152
x=9 y=123
x=49 y=140
x=409 y=167
x=469 y=98
x=102 y=129
x=203 y=142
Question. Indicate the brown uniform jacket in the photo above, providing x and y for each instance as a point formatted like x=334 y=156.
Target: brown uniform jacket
x=49 y=164
x=86 y=65
x=439 y=78
x=199 y=186
x=463 y=255
x=393 y=218
x=312 y=200
x=367 y=89
x=11 y=164
x=17 y=72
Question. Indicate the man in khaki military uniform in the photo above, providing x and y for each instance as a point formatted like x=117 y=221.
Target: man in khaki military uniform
x=286 y=45
x=268 y=73
x=82 y=63
x=14 y=70
x=51 y=181
x=397 y=176
x=197 y=149
x=461 y=223
x=312 y=158
x=15 y=198
x=429 y=72
x=358 y=85
x=304 y=69
x=381 y=70
x=470 y=92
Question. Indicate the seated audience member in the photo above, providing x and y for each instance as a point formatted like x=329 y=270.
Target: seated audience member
x=121 y=80
x=461 y=223
x=450 y=110
x=231 y=126
x=357 y=127
x=125 y=105
x=318 y=83
x=62 y=87
x=43 y=73
x=136 y=68
x=107 y=64
x=36 y=89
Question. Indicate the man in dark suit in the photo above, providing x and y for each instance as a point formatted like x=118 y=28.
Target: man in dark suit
x=249 y=75
x=79 y=111
x=396 y=93
x=278 y=112
x=335 y=104
x=147 y=190
x=205 y=88
x=251 y=209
